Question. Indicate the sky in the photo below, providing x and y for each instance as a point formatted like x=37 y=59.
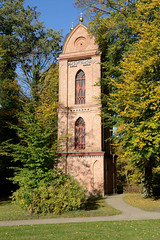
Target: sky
x=57 y=14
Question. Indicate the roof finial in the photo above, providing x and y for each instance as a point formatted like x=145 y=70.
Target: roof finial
x=81 y=17
x=72 y=27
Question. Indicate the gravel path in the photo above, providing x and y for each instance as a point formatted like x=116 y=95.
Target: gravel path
x=129 y=212
x=116 y=201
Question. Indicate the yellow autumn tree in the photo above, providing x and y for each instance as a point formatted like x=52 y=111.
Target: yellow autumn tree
x=136 y=100
x=48 y=99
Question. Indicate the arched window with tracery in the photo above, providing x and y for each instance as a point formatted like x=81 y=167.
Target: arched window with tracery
x=80 y=88
x=80 y=134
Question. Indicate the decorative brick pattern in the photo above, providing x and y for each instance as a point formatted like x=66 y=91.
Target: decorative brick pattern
x=84 y=62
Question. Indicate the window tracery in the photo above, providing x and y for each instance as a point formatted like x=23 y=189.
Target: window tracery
x=80 y=88
x=80 y=134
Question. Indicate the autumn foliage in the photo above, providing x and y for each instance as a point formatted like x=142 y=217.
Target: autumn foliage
x=128 y=34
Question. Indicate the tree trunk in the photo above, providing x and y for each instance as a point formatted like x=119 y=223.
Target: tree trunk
x=148 y=188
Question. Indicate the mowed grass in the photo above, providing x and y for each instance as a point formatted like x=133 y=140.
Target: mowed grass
x=147 y=204
x=130 y=230
x=94 y=207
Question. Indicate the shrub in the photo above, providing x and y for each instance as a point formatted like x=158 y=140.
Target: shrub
x=55 y=193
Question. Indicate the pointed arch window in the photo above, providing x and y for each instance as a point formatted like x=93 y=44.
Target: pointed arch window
x=80 y=134
x=80 y=88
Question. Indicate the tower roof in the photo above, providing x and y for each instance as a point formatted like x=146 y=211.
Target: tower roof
x=79 y=40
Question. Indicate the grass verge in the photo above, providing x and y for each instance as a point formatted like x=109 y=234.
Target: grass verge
x=94 y=207
x=131 y=230
x=147 y=204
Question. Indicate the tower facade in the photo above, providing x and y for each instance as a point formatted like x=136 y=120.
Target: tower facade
x=84 y=154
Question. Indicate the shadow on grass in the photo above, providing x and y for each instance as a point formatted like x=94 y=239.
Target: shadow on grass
x=93 y=203
x=95 y=206
x=156 y=198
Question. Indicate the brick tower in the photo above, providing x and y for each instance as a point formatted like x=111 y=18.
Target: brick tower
x=84 y=153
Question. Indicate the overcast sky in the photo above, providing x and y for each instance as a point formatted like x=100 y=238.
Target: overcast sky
x=57 y=14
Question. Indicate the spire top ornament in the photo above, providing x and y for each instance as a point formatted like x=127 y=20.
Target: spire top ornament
x=72 y=27
x=81 y=17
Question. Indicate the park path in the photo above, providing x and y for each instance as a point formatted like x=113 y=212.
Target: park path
x=129 y=212
x=116 y=201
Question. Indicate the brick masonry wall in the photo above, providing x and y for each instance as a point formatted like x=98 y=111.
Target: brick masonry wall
x=81 y=53
x=88 y=170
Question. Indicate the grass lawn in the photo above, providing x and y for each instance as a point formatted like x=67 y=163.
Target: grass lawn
x=94 y=207
x=147 y=204
x=119 y=230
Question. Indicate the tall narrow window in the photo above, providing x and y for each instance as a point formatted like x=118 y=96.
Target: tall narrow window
x=80 y=88
x=80 y=134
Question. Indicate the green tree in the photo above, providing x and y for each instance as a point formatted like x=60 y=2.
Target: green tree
x=127 y=174
x=15 y=40
x=37 y=47
x=48 y=99
x=28 y=46
x=136 y=100
x=9 y=105
x=36 y=151
x=20 y=30
x=42 y=187
x=43 y=56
